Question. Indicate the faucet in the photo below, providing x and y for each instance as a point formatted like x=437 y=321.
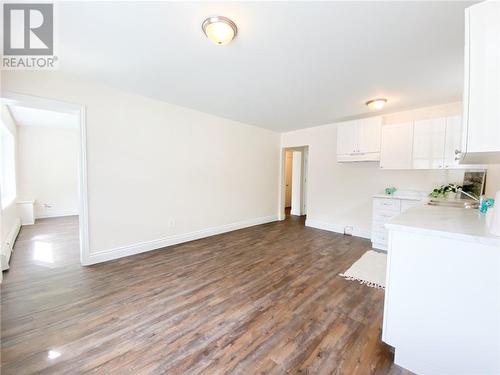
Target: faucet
x=469 y=195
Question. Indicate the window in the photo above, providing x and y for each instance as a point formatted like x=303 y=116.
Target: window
x=7 y=166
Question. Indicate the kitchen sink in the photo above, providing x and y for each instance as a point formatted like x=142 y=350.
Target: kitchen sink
x=458 y=203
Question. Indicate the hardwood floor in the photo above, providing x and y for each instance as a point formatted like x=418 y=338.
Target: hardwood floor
x=266 y=299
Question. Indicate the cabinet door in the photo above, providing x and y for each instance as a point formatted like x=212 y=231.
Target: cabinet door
x=347 y=138
x=369 y=135
x=452 y=141
x=428 y=143
x=482 y=78
x=396 y=146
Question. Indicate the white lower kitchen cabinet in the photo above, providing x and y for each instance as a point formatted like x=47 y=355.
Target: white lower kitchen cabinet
x=386 y=207
x=442 y=296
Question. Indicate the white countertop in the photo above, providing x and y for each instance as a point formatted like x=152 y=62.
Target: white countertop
x=450 y=222
x=410 y=195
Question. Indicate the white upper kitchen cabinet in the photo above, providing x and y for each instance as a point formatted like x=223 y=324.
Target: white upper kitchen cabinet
x=429 y=143
x=452 y=142
x=359 y=140
x=397 y=146
x=369 y=134
x=347 y=138
x=481 y=131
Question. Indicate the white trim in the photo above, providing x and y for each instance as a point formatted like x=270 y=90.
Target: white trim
x=37 y=102
x=362 y=233
x=141 y=247
x=337 y=228
x=304 y=171
x=282 y=188
x=325 y=226
x=379 y=246
x=57 y=214
x=83 y=193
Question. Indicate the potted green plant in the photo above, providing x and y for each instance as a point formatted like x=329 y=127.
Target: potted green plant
x=444 y=191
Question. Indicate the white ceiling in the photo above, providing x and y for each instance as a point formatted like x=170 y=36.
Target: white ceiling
x=292 y=65
x=26 y=116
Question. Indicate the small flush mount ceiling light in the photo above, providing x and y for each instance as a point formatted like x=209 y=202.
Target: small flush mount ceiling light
x=376 y=104
x=220 y=30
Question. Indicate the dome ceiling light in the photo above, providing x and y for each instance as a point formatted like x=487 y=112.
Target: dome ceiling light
x=376 y=104
x=220 y=30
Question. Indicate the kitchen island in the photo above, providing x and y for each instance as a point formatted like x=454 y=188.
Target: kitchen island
x=442 y=297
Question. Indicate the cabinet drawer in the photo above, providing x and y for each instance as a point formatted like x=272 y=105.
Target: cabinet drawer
x=387 y=205
x=384 y=215
x=378 y=226
x=405 y=205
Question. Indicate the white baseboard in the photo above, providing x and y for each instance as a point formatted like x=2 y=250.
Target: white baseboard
x=379 y=246
x=8 y=245
x=337 y=228
x=57 y=214
x=141 y=247
x=363 y=233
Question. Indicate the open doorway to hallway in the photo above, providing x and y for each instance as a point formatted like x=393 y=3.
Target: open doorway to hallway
x=294 y=187
x=43 y=220
x=47 y=175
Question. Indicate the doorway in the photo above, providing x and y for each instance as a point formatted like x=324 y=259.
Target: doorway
x=294 y=186
x=51 y=175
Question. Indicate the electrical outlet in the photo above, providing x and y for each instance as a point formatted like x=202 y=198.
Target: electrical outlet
x=348 y=229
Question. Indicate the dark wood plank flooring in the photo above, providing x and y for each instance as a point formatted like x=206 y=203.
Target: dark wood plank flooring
x=266 y=299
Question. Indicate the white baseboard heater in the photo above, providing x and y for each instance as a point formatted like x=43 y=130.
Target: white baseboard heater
x=8 y=246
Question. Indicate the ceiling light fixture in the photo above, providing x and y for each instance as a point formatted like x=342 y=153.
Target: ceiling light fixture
x=376 y=104
x=220 y=30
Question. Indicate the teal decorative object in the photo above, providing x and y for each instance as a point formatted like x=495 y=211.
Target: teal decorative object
x=485 y=204
x=390 y=190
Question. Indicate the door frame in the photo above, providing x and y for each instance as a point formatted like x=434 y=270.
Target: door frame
x=288 y=159
x=304 y=180
x=79 y=110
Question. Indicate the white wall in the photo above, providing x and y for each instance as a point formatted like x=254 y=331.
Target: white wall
x=48 y=169
x=9 y=218
x=341 y=194
x=160 y=173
